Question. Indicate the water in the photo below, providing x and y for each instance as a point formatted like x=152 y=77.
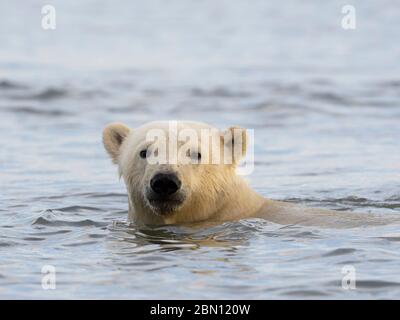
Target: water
x=324 y=103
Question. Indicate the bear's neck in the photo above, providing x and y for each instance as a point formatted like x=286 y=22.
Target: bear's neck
x=240 y=202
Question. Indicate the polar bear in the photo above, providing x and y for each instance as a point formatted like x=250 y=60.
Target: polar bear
x=186 y=173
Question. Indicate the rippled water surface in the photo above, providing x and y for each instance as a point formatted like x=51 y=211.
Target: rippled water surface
x=324 y=103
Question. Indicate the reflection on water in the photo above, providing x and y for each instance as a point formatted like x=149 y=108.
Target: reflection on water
x=324 y=104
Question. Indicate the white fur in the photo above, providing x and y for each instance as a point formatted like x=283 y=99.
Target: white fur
x=213 y=192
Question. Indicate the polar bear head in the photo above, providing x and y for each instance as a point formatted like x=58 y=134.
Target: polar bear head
x=175 y=172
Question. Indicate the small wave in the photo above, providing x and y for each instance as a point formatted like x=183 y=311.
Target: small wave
x=9 y=85
x=390 y=203
x=331 y=97
x=79 y=244
x=52 y=233
x=306 y=235
x=96 y=236
x=50 y=93
x=107 y=195
x=306 y=293
x=394 y=239
x=84 y=195
x=78 y=209
x=394 y=197
x=8 y=244
x=51 y=220
x=376 y=284
x=339 y=252
x=33 y=239
x=37 y=112
x=47 y=94
x=219 y=92
x=390 y=84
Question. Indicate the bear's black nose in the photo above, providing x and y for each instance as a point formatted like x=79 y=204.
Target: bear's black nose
x=165 y=184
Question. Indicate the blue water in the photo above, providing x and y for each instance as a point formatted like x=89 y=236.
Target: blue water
x=324 y=103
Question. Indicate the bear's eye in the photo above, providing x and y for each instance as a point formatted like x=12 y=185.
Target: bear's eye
x=196 y=156
x=143 y=154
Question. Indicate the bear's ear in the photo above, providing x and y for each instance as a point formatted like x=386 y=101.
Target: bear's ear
x=235 y=144
x=113 y=136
